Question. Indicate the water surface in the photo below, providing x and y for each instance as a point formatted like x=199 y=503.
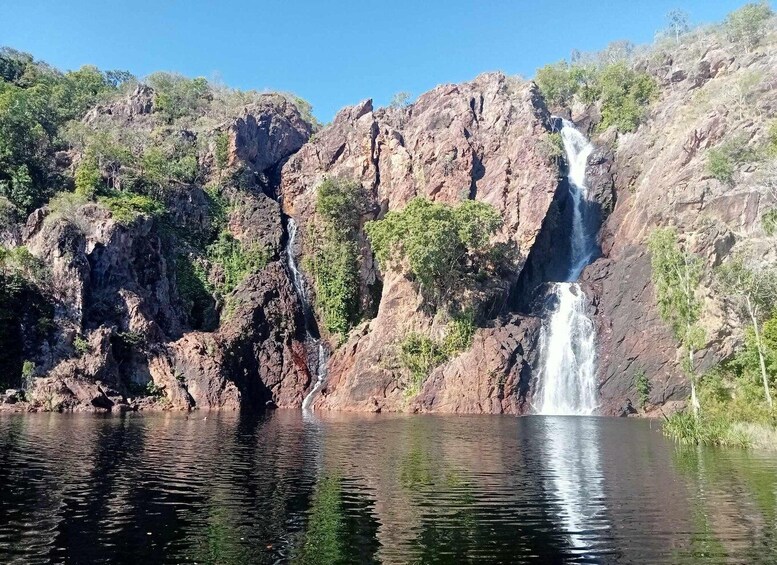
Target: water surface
x=340 y=488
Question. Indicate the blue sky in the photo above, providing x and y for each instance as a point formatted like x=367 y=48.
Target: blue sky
x=332 y=53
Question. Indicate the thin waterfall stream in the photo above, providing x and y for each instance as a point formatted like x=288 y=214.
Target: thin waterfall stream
x=298 y=281
x=567 y=381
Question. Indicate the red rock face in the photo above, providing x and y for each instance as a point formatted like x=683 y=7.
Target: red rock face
x=479 y=140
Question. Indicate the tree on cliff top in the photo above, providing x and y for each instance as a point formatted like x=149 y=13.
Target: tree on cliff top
x=676 y=277
x=748 y=24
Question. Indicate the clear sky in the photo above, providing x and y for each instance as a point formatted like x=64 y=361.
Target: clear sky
x=332 y=52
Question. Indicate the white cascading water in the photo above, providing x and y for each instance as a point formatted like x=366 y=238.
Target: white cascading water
x=567 y=384
x=299 y=286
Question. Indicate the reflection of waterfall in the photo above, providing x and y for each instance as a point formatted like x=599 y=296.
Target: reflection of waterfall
x=574 y=477
x=299 y=286
x=567 y=382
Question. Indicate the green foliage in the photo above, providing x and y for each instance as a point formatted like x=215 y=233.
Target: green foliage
x=557 y=83
x=28 y=373
x=193 y=290
x=420 y=355
x=643 y=386
x=723 y=160
x=689 y=430
x=441 y=246
x=80 y=345
x=771 y=140
x=334 y=261
x=625 y=94
x=326 y=526
x=35 y=102
x=676 y=276
x=678 y=24
x=88 y=179
x=24 y=311
x=552 y=146
x=236 y=261
x=154 y=390
x=400 y=100
x=176 y=96
x=719 y=165
x=460 y=332
x=222 y=150
x=747 y=25
x=769 y=221
x=126 y=207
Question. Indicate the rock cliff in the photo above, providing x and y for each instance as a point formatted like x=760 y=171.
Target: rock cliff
x=125 y=334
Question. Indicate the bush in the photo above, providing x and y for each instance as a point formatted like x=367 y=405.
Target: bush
x=643 y=385
x=222 y=151
x=748 y=24
x=81 y=345
x=236 y=260
x=192 y=284
x=460 y=332
x=625 y=95
x=88 y=179
x=420 y=355
x=723 y=160
x=769 y=221
x=126 y=207
x=441 y=246
x=176 y=96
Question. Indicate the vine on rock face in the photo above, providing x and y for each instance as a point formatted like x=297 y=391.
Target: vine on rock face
x=334 y=261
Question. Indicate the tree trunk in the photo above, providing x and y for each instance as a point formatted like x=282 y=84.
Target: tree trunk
x=761 y=361
x=694 y=399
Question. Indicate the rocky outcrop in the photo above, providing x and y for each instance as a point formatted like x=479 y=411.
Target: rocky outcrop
x=122 y=338
x=480 y=140
x=662 y=179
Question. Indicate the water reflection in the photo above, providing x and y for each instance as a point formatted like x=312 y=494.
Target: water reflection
x=341 y=488
x=574 y=479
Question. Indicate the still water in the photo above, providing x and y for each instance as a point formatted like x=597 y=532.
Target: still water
x=342 y=488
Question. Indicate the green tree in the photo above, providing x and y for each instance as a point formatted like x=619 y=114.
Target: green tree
x=625 y=95
x=88 y=178
x=678 y=23
x=557 y=83
x=752 y=289
x=748 y=24
x=676 y=277
x=440 y=245
x=400 y=100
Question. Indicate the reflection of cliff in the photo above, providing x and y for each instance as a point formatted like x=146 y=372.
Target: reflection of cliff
x=387 y=488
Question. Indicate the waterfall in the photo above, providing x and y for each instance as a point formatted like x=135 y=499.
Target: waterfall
x=299 y=287
x=567 y=382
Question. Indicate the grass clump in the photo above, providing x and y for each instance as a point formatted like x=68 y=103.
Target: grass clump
x=724 y=160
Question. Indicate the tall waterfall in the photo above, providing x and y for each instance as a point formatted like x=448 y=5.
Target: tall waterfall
x=299 y=287
x=567 y=383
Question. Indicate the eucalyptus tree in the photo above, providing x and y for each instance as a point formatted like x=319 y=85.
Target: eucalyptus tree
x=752 y=290
x=676 y=275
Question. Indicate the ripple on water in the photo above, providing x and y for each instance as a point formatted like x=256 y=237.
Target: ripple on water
x=167 y=488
